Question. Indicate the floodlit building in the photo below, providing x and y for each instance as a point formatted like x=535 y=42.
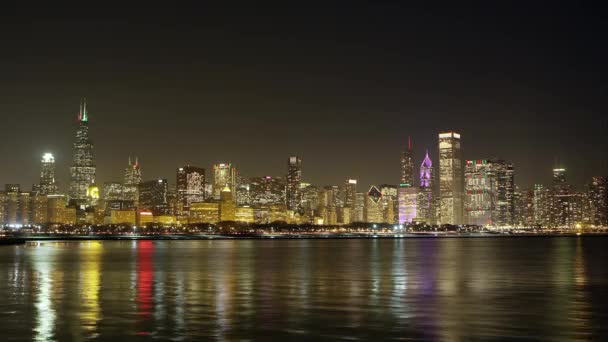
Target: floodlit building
x=451 y=181
x=48 y=186
x=227 y=205
x=267 y=191
x=426 y=196
x=244 y=214
x=204 y=212
x=374 y=208
x=224 y=174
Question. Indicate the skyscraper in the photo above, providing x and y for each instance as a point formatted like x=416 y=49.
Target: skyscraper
x=426 y=198
x=598 y=198
x=561 y=194
x=407 y=165
x=227 y=207
x=82 y=171
x=47 y=175
x=294 y=178
x=224 y=174
x=451 y=181
x=133 y=177
x=489 y=198
x=505 y=190
x=374 y=208
x=190 y=186
x=153 y=196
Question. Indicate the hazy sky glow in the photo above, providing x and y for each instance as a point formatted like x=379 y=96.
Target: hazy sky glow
x=342 y=87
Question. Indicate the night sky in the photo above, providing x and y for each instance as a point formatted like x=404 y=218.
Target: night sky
x=340 y=86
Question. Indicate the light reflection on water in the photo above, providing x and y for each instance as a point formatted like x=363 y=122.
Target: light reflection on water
x=425 y=289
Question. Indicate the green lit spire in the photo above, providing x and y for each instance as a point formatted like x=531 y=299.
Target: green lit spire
x=84 y=116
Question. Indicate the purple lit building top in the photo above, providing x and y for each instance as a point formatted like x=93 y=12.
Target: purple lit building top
x=426 y=170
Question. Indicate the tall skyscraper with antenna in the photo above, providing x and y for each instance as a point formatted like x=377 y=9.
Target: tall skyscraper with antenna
x=82 y=171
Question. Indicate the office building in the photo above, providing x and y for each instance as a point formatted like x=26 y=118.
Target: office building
x=294 y=178
x=47 y=186
x=82 y=171
x=451 y=180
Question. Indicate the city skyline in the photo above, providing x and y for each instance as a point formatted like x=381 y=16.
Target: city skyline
x=340 y=87
x=407 y=146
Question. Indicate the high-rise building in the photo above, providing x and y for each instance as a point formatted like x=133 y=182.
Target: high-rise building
x=153 y=196
x=294 y=178
x=598 y=201
x=505 y=189
x=541 y=206
x=359 y=210
x=47 y=175
x=267 y=190
x=190 y=186
x=426 y=196
x=204 y=212
x=82 y=171
x=133 y=178
x=374 y=208
x=451 y=181
x=15 y=206
x=224 y=174
x=350 y=192
x=561 y=200
x=112 y=191
x=489 y=198
x=408 y=204
x=407 y=165
x=227 y=207
x=390 y=203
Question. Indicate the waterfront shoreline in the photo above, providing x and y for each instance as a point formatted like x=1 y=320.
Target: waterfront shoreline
x=193 y=237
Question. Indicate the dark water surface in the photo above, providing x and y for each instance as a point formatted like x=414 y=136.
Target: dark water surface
x=428 y=289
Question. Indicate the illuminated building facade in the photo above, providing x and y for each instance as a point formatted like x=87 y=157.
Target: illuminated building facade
x=561 y=200
x=294 y=178
x=374 y=208
x=48 y=186
x=133 y=177
x=350 y=193
x=58 y=211
x=224 y=174
x=190 y=186
x=408 y=204
x=112 y=191
x=227 y=205
x=359 y=209
x=15 y=206
x=489 y=196
x=82 y=171
x=426 y=197
x=598 y=201
x=390 y=203
x=541 y=205
x=451 y=181
x=153 y=196
x=267 y=190
x=244 y=214
x=204 y=212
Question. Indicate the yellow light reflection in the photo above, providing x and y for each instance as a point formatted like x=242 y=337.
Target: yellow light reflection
x=90 y=279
